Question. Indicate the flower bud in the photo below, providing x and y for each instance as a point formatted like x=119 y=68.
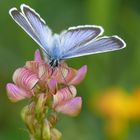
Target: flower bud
x=46 y=134
x=55 y=134
x=27 y=115
x=40 y=105
x=37 y=56
x=53 y=119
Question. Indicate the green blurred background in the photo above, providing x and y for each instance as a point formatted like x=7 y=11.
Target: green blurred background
x=120 y=68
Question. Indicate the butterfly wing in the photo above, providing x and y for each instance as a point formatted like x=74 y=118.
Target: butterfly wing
x=77 y=36
x=74 y=42
x=85 y=43
x=33 y=25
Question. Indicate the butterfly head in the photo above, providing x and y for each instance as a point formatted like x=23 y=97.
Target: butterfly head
x=54 y=63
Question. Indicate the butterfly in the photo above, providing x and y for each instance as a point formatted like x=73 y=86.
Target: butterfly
x=74 y=42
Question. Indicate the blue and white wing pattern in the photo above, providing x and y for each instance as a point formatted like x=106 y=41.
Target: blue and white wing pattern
x=98 y=45
x=33 y=25
x=73 y=42
x=78 y=36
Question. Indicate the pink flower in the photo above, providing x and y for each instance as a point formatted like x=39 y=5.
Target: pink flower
x=64 y=101
x=24 y=80
x=37 y=77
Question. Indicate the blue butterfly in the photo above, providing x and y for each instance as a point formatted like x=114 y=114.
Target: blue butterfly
x=73 y=42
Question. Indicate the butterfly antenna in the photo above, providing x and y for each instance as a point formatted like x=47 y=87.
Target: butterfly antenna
x=50 y=68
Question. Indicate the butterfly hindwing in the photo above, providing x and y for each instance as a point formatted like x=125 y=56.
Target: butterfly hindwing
x=100 y=45
x=78 y=36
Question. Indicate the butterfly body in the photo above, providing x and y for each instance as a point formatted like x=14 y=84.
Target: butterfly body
x=54 y=57
x=73 y=42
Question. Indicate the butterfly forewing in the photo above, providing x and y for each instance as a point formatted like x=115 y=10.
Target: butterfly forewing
x=23 y=23
x=44 y=33
x=100 y=45
x=38 y=33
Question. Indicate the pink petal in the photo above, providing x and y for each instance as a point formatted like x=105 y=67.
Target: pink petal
x=71 y=73
x=37 y=56
x=40 y=68
x=63 y=95
x=32 y=66
x=79 y=76
x=52 y=84
x=71 y=107
x=43 y=71
x=25 y=78
x=65 y=74
x=15 y=93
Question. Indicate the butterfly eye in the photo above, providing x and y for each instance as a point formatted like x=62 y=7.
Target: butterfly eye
x=54 y=63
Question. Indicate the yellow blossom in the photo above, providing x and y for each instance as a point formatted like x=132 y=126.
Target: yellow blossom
x=117 y=107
